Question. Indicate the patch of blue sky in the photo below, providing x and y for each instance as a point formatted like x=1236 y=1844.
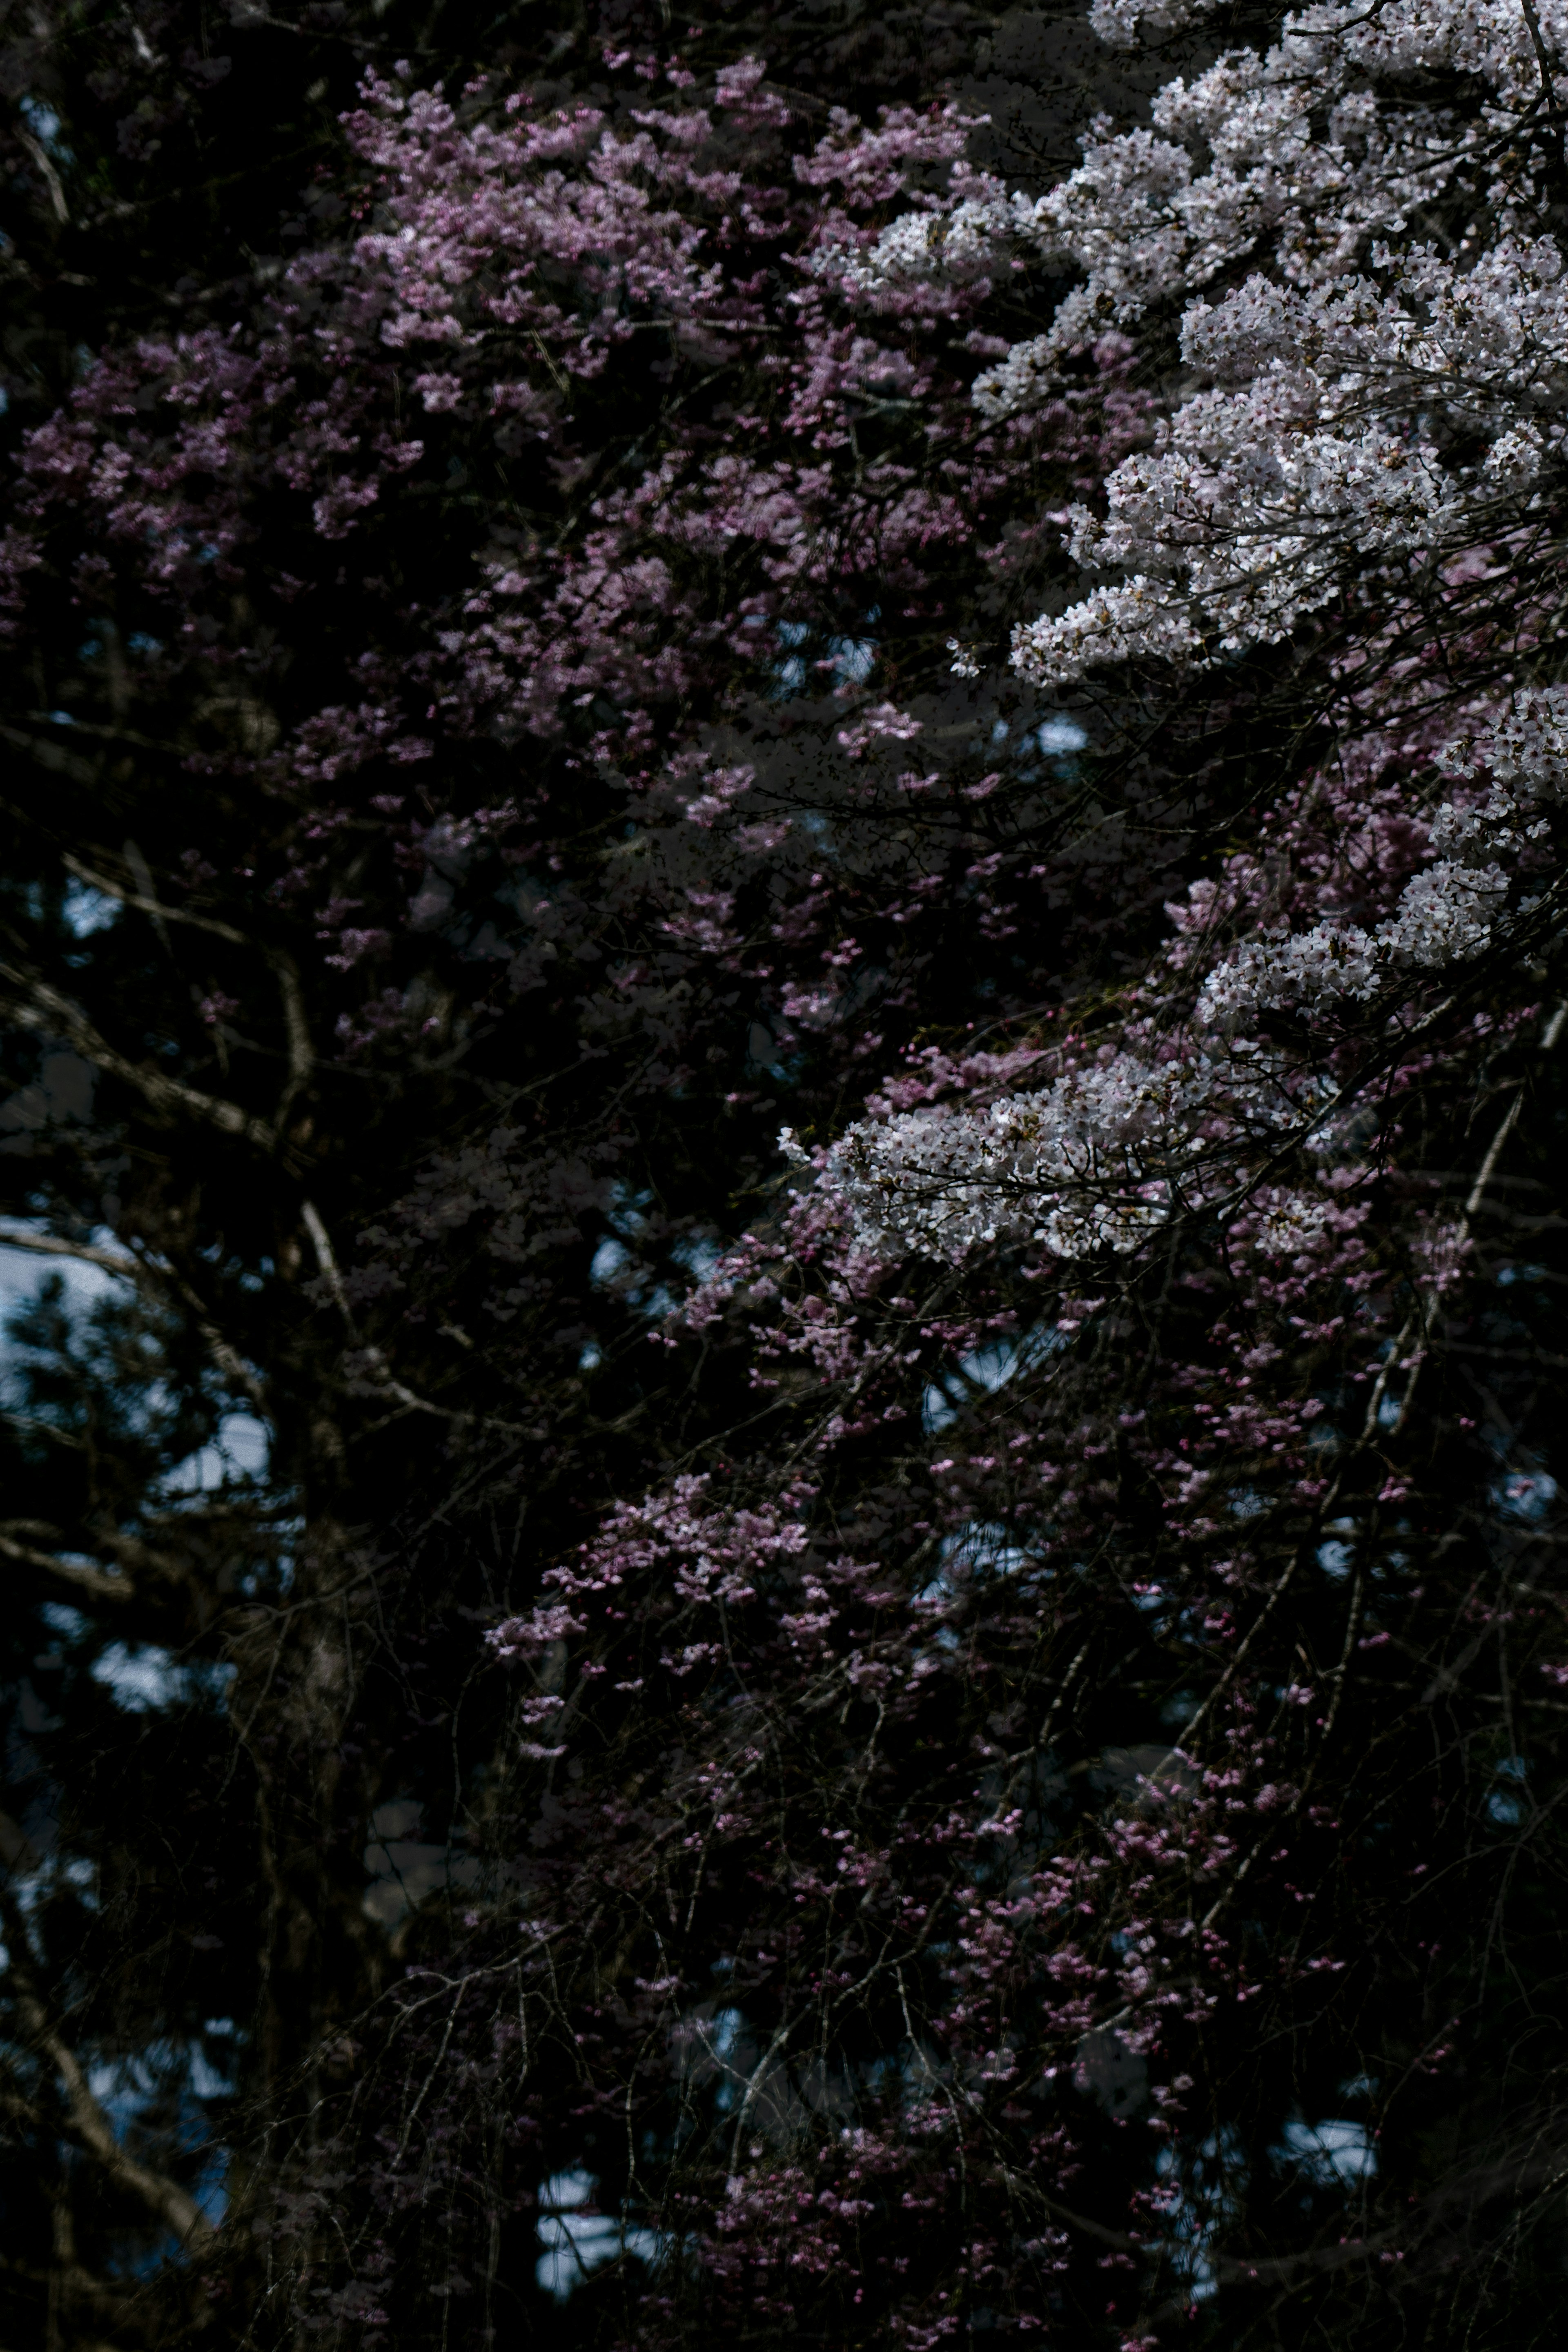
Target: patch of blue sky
x=983 y=1548
x=854 y=658
x=240 y=1452
x=1200 y=2196
x=1337 y=2150
x=22 y=1270
x=719 y=2038
x=1506 y=1806
x=1059 y=735
x=85 y=910
x=1525 y=1494
x=42 y=123
x=982 y=1373
x=126 y=2085
x=607 y=1262
x=577 y=2239
x=144 y=1678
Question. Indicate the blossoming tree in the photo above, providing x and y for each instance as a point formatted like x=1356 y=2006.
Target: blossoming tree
x=942 y=1725
x=1102 y=1764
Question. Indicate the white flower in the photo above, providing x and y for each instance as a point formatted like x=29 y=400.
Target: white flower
x=1098 y=1160
x=1369 y=395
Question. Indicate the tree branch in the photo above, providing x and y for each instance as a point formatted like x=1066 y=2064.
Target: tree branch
x=146 y=901
x=96 y=1583
x=226 y=1357
x=89 y=2124
x=153 y=905
x=49 y=1245
x=47 y=1013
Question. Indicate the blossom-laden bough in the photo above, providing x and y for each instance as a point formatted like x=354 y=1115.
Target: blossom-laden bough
x=1375 y=408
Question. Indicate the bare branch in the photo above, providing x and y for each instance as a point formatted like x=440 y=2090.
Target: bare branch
x=326 y=1258
x=51 y=756
x=151 y=905
x=97 y=1583
x=47 y=1013
x=51 y=178
x=145 y=900
x=226 y=1357
x=91 y=2127
x=49 y=1245
x=301 y=1054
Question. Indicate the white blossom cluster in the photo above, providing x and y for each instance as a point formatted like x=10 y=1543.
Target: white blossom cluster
x=1523 y=750
x=1367 y=394
x=1445 y=916
x=945 y=244
x=1284 y=1223
x=1138 y=616
x=1256 y=501
x=1119 y=22
x=1246 y=509
x=1098 y=1161
x=1447 y=913
x=1361 y=397
x=1103 y=1158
